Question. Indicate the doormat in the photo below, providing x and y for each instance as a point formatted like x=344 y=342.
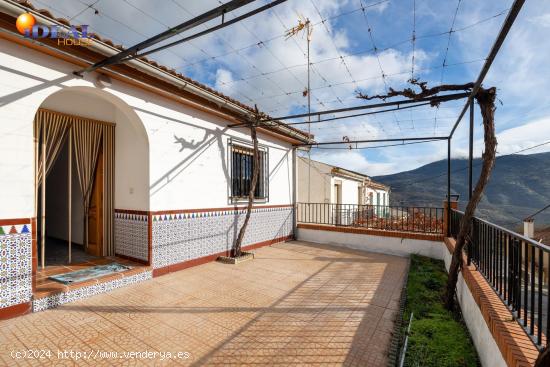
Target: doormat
x=90 y=273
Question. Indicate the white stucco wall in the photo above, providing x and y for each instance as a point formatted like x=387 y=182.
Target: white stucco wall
x=387 y=245
x=153 y=171
x=131 y=143
x=349 y=188
x=369 y=190
x=316 y=180
x=321 y=187
x=194 y=173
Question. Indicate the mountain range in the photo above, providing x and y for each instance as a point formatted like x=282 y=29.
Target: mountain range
x=519 y=186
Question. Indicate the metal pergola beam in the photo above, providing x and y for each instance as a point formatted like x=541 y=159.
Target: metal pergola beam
x=434 y=138
x=207 y=31
x=185 y=26
x=398 y=108
x=434 y=99
x=508 y=22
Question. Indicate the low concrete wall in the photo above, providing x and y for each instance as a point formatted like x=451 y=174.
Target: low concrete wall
x=483 y=339
x=386 y=245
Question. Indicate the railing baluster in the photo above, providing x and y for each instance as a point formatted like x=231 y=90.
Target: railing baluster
x=484 y=244
x=518 y=275
x=517 y=280
x=424 y=218
x=482 y=248
x=510 y=262
x=539 y=297
x=525 y=250
x=506 y=269
x=548 y=307
x=492 y=253
x=495 y=258
x=532 y=289
x=500 y=259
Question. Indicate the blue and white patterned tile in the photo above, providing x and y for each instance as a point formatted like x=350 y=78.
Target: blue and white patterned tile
x=58 y=299
x=15 y=267
x=201 y=234
x=131 y=235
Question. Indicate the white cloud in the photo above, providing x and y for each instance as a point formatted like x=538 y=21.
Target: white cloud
x=525 y=136
x=348 y=159
x=275 y=71
x=517 y=138
x=223 y=77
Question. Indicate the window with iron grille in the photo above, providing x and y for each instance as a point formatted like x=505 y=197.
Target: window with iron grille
x=242 y=167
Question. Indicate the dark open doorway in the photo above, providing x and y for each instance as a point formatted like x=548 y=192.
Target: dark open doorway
x=57 y=215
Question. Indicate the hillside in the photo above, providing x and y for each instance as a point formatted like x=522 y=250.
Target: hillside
x=518 y=187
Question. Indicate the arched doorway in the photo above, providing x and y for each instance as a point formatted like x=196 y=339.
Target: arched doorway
x=95 y=160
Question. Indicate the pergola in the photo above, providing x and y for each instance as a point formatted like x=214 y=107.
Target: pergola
x=146 y=47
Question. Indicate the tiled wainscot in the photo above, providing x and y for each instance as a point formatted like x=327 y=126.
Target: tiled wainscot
x=131 y=234
x=15 y=264
x=180 y=237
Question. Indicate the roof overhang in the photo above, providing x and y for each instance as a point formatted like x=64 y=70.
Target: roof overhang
x=337 y=171
x=141 y=72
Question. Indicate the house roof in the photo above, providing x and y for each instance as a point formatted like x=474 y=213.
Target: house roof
x=276 y=127
x=351 y=174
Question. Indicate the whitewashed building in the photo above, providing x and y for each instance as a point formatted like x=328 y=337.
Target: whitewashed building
x=167 y=182
x=319 y=182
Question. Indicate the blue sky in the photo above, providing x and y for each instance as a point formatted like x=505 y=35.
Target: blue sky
x=254 y=63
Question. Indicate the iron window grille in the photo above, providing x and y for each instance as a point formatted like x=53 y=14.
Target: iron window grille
x=242 y=166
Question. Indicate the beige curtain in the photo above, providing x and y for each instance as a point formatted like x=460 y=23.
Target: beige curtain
x=50 y=129
x=108 y=197
x=88 y=137
x=87 y=140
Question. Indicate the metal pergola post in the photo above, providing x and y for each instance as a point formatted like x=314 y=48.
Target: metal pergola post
x=449 y=187
x=471 y=151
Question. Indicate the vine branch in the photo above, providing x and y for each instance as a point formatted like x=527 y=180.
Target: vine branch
x=486 y=100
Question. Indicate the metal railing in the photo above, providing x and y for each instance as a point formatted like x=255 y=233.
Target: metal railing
x=393 y=218
x=517 y=269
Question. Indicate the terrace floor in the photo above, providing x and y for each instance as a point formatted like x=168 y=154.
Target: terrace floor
x=295 y=303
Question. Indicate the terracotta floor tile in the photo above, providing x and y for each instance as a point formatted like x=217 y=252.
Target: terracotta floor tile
x=294 y=304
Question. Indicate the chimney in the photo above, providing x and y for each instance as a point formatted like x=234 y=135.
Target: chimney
x=529 y=227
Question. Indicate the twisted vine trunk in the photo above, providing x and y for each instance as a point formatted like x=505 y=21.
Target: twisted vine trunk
x=543 y=359
x=255 y=172
x=486 y=100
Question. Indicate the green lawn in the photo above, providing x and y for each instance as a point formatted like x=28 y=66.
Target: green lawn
x=438 y=337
